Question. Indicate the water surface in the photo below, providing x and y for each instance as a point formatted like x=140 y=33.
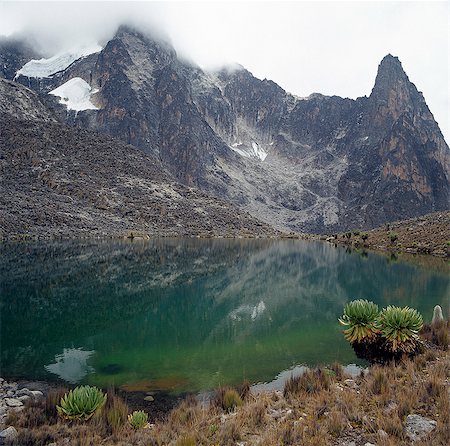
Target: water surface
x=189 y=315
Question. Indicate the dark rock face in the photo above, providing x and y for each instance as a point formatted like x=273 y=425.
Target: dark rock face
x=317 y=164
x=14 y=53
x=66 y=182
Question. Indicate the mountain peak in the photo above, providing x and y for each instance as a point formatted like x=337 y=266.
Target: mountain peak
x=391 y=77
x=390 y=70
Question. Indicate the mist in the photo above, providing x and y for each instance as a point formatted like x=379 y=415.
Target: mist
x=329 y=47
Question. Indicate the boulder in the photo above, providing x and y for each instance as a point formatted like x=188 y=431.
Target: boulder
x=9 y=434
x=37 y=394
x=13 y=402
x=418 y=427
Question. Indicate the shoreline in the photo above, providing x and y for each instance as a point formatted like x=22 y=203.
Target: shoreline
x=387 y=405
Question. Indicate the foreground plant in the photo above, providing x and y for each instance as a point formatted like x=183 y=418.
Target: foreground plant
x=231 y=400
x=400 y=328
x=81 y=403
x=360 y=316
x=138 y=419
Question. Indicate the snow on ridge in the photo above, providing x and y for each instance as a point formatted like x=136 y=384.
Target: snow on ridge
x=254 y=152
x=46 y=67
x=75 y=94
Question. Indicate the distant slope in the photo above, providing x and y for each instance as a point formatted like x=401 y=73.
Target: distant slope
x=428 y=234
x=58 y=181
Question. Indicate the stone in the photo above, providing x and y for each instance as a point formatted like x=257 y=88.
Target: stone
x=369 y=444
x=418 y=427
x=9 y=434
x=382 y=434
x=37 y=394
x=13 y=402
x=391 y=407
x=350 y=383
x=25 y=391
x=149 y=398
x=24 y=398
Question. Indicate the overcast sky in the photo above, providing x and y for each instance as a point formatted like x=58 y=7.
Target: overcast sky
x=327 y=47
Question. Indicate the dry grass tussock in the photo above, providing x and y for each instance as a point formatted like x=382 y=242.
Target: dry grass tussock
x=321 y=407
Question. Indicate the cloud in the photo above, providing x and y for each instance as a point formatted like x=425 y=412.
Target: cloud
x=306 y=47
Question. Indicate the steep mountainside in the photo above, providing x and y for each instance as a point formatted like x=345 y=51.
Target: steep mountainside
x=316 y=164
x=61 y=181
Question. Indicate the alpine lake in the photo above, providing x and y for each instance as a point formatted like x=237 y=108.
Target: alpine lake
x=189 y=315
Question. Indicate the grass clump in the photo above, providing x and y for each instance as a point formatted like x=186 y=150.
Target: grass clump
x=81 y=403
x=379 y=382
x=187 y=440
x=310 y=382
x=116 y=412
x=231 y=400
x=138 y=419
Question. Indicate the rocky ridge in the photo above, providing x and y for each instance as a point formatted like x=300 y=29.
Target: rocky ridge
x=57 y=181
x=316 y=164
x=428 y=234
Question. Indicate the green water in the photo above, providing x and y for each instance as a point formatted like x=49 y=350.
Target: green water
x=189 y=315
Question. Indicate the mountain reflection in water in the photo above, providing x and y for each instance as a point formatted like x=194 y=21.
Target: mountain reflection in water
x=188 y=314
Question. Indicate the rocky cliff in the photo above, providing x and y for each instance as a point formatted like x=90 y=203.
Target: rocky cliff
x=57 y=181
x=317 y=164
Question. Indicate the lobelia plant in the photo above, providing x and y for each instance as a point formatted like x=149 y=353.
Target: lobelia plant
x=400 y=328
x=361 y=318
x=81 y=403
x=138 y=419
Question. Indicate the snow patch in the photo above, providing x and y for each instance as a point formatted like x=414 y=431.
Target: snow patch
x=255 y=151
x=75 y=94
x=46 y=67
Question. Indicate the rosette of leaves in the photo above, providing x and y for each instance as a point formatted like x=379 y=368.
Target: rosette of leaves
x=361 y=318
x=400 y=328
x=81 y=403
x=138 y=419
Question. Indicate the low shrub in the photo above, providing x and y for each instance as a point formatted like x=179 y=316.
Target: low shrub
x=393 y=237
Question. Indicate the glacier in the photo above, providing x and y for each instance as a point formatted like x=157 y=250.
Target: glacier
x=41 y=68
x=75 y=94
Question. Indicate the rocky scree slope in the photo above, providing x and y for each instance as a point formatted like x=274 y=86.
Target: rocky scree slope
x=318 y=164
x=61 y=181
